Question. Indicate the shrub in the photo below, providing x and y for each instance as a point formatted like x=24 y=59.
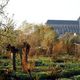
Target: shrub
x=38 y=63
x=77 y=77
x=70 y=73
x=59 y=61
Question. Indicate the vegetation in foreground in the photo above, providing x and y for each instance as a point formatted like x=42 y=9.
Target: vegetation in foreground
x=43 y=68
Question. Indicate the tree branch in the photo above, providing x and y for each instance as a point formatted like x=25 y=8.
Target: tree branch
x=2 y=6
x=4 y=35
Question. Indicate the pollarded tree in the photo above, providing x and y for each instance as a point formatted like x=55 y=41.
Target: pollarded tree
x=8 y=34
x=49 y=38
x=39 y=36
x=3 y=20
x=43 y=36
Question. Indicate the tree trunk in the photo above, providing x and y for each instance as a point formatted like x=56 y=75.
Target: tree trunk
x=25 y=66
x=14 y=61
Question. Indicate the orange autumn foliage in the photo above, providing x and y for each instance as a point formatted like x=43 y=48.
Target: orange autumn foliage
x=59 y=47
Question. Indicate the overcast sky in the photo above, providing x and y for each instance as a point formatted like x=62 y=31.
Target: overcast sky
x=39 y=11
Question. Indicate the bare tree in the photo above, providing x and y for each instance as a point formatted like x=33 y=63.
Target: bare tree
x=3 y=4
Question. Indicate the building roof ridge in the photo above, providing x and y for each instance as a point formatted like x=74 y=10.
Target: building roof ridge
x=59 y=20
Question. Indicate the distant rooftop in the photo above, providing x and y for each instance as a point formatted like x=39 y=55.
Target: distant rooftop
x=62 y=22
x=63 y=26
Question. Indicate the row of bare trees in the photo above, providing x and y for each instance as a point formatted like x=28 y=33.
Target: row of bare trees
x=42 y=38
